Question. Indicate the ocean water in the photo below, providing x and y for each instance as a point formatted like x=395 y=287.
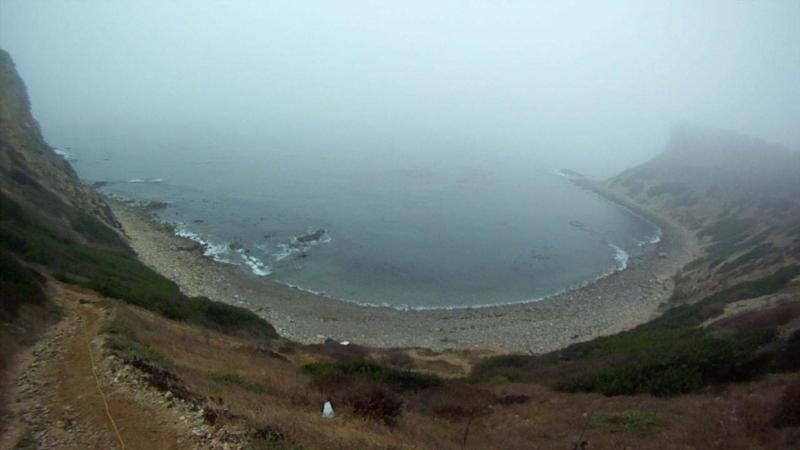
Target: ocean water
x=408 y=232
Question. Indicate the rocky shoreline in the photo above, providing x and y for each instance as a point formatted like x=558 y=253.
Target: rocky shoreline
x=606 y=306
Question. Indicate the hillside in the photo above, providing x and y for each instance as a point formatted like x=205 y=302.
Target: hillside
x=741 y=195
x=101 y=351
x=55 y=230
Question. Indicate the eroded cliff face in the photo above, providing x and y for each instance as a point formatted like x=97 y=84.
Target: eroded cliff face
x=31 y=173
x=740 y=195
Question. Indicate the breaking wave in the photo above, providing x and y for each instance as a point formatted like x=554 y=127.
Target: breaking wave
x=215 y=251
x=146 y=180
x=621 y=256
x=301 y=243
x=256 y=266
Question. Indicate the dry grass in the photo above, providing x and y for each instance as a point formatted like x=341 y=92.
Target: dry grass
x=223 y=367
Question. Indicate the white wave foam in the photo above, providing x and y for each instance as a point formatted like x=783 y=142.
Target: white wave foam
x=295 y=245
x=63 y=153
x=284 y=251
x=216 y=251
x=621 y=256
x=212 y=250
x=146 y=180
x=256 y=265
x=652 y=241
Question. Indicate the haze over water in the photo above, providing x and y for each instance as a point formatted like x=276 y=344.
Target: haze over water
x=407 y=233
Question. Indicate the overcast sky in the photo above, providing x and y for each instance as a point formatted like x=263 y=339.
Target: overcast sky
x=591 y=85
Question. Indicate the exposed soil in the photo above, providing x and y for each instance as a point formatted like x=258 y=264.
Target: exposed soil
x=55 y=402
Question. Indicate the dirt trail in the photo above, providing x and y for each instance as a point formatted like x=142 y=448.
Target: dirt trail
x=57 y=403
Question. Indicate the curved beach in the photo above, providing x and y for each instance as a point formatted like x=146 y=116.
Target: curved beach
x=606 y=306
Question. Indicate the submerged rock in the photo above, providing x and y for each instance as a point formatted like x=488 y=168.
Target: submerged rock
x=155 y=205
x=310 y=237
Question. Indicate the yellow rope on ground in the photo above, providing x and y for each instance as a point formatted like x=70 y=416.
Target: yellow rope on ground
x=99 y=388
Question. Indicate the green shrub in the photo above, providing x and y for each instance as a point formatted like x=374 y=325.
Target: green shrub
x=122 y=342
x=728 y=228
x=667 y=188
x=679 y=366
x=376 y=403
x=96 y=231
x=269 y=437
x=691 y=315
x=394 y=379
x=18 y=285
x=235 y=380
x=753 y=254
x=788 y=357
x=631 y=421
x=788 y=413
x=667 y=356
x=504 y=368
x=113 y=271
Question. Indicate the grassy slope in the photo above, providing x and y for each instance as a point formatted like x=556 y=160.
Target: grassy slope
x=275 y=391
x=106 y=265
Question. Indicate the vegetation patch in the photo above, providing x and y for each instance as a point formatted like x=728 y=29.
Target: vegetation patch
x=97 y=231
x=680 y=366
x=123 y=343
x=788 y=414
x=504 y=368
x=631 y=421
x=394 y=379
x=18 y=285
x=157 y=369
x=460 y=401
x=268 y=437
x=691 y=315
x=662 y=358
x=668 y=189
x=728 y=228
x=788 y=358
x=112 y=269
x=376 y=403
x=370 y=389
x=235 y=380
x=752 y=255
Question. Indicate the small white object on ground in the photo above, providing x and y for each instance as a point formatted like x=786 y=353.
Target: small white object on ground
x=345 y=342
x=327 y=410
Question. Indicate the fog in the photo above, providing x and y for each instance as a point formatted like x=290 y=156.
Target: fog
x=594 y=86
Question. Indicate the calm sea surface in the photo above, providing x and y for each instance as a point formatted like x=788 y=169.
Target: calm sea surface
x=405 y=232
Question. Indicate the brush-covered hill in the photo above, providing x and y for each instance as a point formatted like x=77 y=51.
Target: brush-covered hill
x=739 y=194
x=32 y=175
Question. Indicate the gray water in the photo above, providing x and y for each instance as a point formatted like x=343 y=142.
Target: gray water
x=404 y=231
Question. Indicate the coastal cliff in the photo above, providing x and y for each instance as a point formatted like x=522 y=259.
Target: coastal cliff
x=32 y=175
